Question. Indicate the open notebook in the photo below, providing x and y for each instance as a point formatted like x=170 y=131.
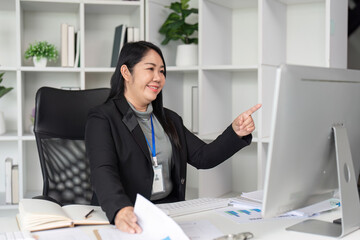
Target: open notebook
x=37 y=215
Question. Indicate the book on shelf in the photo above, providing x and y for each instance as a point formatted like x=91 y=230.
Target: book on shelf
x=37 y=215
x=15 y=184
x=8 y=187
x=64 y=45
x=119 y=40
x=71 y=45
x=130 y=34
x=136 y=34
x=77 y=49
x=68 y=45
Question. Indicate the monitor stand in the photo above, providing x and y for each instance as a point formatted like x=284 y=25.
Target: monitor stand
x=349 y=198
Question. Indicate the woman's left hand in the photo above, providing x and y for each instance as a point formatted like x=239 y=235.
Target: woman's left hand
x=244 y=124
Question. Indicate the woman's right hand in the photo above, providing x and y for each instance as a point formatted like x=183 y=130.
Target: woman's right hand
x=125 y=220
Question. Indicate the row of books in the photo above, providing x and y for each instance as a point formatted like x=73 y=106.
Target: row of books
x=70 y=46
x=11 y=182
x=123 y=34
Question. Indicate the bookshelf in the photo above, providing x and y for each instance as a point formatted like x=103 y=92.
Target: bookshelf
x=25 y=21
x=241 y=42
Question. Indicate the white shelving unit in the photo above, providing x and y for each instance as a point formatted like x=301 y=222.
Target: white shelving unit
x=241 y=43
x=25 y=21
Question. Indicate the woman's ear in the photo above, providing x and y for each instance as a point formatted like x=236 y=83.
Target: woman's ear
x=125 y=72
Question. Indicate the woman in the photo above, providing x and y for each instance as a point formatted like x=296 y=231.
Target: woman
x=136 y=146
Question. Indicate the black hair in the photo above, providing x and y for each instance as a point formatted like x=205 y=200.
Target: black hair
x=131 y=54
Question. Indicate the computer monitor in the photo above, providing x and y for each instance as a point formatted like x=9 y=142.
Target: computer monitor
x=315 y=131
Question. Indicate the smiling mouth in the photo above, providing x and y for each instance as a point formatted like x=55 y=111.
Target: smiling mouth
x=153 y=88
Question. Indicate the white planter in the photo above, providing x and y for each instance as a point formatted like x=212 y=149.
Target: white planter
x=2 y=123
x=187 y=55
x=31 y=129
x=40 y=63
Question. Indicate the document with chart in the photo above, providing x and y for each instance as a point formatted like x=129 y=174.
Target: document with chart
x=250 y=214
x=155 y=224
x=242 y=211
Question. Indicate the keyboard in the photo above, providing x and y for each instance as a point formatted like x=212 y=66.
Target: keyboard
x=193 y=206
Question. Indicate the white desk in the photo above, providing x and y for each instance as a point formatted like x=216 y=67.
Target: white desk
x=267 y=229
x=271 y=229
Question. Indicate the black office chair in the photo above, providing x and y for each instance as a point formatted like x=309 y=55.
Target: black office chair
x=60 y=118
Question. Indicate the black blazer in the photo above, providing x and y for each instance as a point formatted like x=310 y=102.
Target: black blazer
x=120 y=159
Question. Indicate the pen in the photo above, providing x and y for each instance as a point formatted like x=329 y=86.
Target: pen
x=88 y=214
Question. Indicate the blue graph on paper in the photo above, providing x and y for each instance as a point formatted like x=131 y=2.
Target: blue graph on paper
x=247 y=215
x=239 y=213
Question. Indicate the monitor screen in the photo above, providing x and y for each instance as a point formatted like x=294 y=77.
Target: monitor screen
x=301 y=166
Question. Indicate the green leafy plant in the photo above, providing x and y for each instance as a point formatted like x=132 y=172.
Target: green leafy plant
x=42 y=49
x=175 y=27
x=3 y=90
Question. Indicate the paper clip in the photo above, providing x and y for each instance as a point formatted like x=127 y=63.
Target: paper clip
x=239 y=236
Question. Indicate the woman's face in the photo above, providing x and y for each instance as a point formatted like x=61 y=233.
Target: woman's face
x=146 y=80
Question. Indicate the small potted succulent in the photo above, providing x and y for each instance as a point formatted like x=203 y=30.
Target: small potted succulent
x=3 y=91
x=41 y=52
x=176 y=28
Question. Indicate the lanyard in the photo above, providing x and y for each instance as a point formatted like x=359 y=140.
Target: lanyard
x=153 y=149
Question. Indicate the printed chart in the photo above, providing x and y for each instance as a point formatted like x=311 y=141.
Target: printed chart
x=249 y=215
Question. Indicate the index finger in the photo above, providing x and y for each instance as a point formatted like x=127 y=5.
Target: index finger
x=253 y=109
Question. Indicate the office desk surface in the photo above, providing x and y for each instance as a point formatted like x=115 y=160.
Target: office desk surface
x=267 y=229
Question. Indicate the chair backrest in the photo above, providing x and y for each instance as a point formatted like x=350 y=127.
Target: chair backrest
x=60 y=119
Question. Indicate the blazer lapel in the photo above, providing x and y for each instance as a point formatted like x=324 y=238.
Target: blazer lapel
x=130 y=121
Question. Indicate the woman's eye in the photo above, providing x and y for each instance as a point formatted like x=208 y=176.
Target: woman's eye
x=151 y=69
x=162 y=71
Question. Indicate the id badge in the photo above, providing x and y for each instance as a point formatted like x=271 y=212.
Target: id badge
x=158 y=183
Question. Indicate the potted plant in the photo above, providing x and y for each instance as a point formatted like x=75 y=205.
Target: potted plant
x=176 y=28
x=3 y=91
x=41 y=52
